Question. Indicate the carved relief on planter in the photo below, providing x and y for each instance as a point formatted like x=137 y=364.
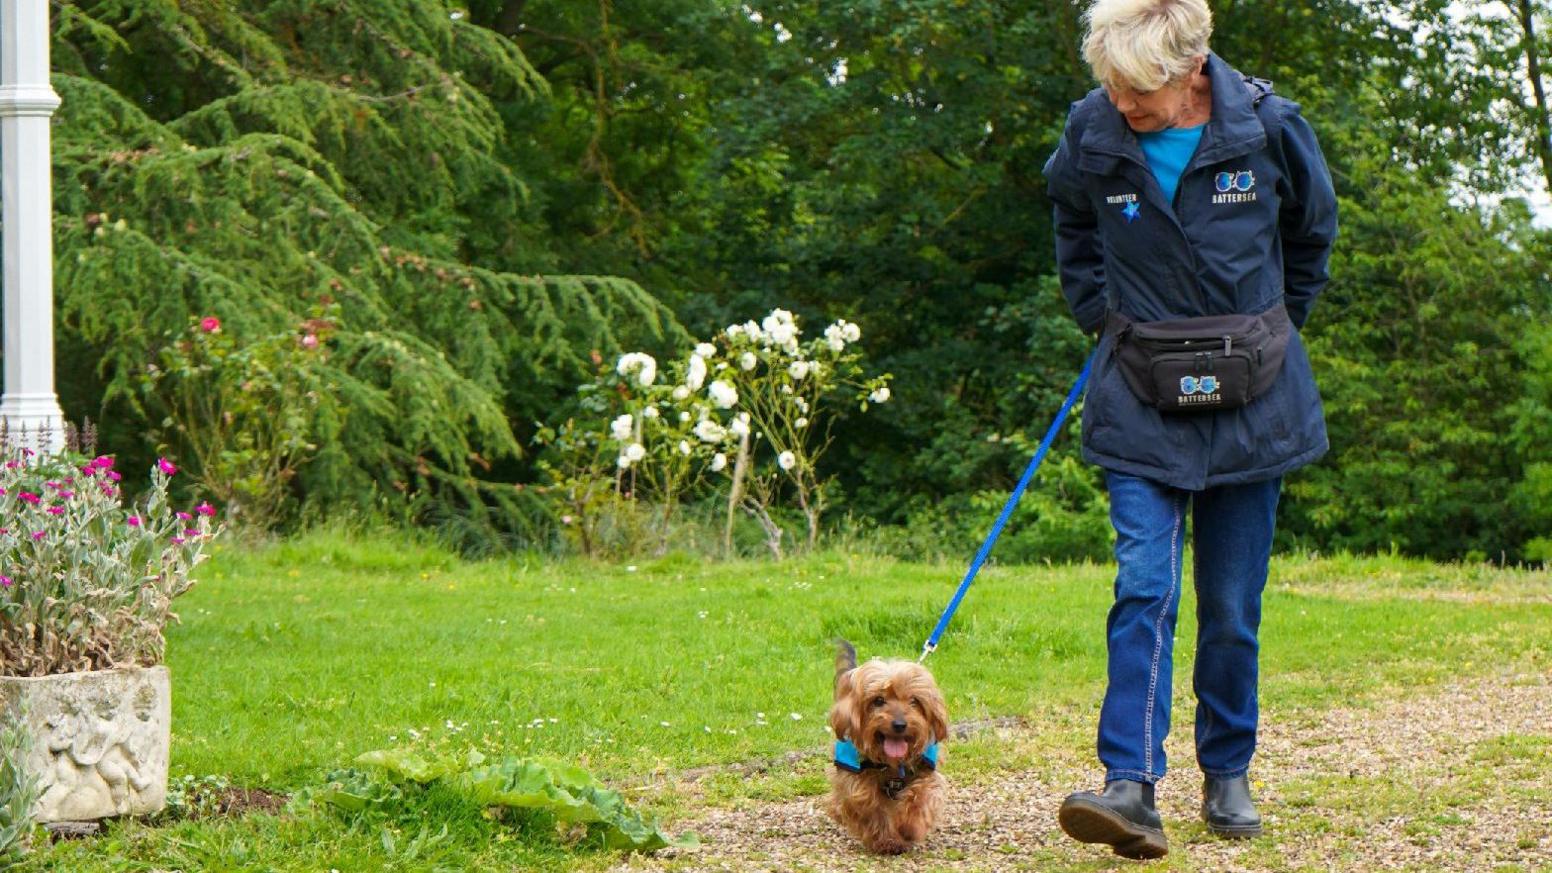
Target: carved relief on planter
x=100 y=741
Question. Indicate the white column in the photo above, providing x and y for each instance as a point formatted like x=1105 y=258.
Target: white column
x=26 y=103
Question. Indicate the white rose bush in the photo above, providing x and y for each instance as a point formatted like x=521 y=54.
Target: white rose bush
x=746 y=414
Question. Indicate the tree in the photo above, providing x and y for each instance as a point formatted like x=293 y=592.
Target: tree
x=303 y=160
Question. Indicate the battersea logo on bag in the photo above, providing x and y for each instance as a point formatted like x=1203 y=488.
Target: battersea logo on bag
x=1195 y=390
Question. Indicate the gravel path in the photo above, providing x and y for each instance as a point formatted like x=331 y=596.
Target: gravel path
x=1451 y=780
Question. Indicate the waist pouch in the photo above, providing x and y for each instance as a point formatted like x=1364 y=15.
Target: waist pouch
x=1201 y=364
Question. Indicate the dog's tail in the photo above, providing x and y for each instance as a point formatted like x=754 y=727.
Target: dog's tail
x=845 y=658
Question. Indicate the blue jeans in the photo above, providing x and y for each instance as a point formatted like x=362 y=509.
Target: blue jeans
x=1232 y=531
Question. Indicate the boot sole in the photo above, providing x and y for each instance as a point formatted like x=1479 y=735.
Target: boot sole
x=1241 y=832
x=1090 y=823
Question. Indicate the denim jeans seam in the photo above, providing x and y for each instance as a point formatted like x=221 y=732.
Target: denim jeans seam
x=1132 y=775
x=1234 y=773
x=1158 y=641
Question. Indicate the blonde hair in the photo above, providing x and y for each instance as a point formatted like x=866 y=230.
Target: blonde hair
x=1145 y=44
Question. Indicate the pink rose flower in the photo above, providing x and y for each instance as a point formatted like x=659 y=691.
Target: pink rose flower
x=210 y=324
x=310 y=341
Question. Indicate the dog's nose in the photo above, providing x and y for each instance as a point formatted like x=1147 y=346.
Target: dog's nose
x=898 y=725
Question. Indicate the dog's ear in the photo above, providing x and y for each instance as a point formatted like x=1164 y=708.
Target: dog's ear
x=843 y=715
x=937 y=716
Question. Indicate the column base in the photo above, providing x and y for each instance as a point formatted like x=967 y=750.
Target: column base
x=32 y=421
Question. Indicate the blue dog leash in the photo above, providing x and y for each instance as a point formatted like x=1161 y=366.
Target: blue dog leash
x=1007 y=510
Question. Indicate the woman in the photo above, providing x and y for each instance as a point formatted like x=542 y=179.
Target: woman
x=1194 y=220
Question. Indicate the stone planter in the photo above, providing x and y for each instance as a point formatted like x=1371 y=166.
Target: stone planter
x=100 y=740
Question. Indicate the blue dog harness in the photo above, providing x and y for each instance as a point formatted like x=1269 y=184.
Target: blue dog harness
x=847 y=757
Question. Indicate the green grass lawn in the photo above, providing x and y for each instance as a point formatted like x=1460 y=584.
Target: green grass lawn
x=293 y=659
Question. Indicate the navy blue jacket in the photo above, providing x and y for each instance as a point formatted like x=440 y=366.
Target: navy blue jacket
x=1251 y=226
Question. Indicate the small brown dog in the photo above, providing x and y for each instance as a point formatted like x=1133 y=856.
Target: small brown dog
x=888 y=719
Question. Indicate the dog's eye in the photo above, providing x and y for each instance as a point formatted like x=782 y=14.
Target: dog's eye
x=877 y=702
x=916 y=702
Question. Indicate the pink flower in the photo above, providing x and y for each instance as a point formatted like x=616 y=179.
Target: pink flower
x=5 y=581
x=133 y=521
x=310 y=341
x=205 y=509
x=27 y=453
x=38 y=535
x=28 y=497
x=56 y=510
x=177 y=541
x=210 y=324
x=184 y=516
x=103 y=462
x=54 y=485
x=165 y=466
x=114 y=475
x=89 y=470
x=192 y=533
x=66 y=494
x=11 y=465
x=2 y=492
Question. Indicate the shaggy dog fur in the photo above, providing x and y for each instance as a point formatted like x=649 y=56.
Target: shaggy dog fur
x=892 y=711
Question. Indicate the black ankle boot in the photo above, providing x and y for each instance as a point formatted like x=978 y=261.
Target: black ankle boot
x=1123 y=817
x=1227 y=809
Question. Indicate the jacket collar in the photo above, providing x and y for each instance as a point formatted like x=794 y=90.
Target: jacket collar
x=1233 y=129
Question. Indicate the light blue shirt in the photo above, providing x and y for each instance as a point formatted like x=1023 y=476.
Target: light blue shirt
x=1168 y=151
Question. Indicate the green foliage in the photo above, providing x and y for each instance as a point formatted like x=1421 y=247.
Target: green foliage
x=565 y=792
x=266 y=165
x=18 y=785
x=88 y=583
x=480 y=193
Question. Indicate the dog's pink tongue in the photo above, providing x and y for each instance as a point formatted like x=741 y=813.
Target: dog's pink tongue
x=895 y=747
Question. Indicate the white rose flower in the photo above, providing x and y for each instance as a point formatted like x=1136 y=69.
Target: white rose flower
x=635 y=452
x=623 y=462
x=622 y=428
x=850 y=332
x=681 y=392
x=705 y=350
x=784 y=335
x=718 y=462
x=709 y=431
x=754 y=332
x=740 y=427
x=835 y=343
x=684 y=448
x=786 y=460
x=684 y=416
x=800 y=423
x=722 y=394
x=696 y=376
x=649 y=412
x=880 y=395
x=797 y=369
x=747 y=360
x=638 y=361
x=734 y=330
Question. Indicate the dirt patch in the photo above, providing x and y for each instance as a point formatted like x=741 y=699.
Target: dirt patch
x=1449 y=780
